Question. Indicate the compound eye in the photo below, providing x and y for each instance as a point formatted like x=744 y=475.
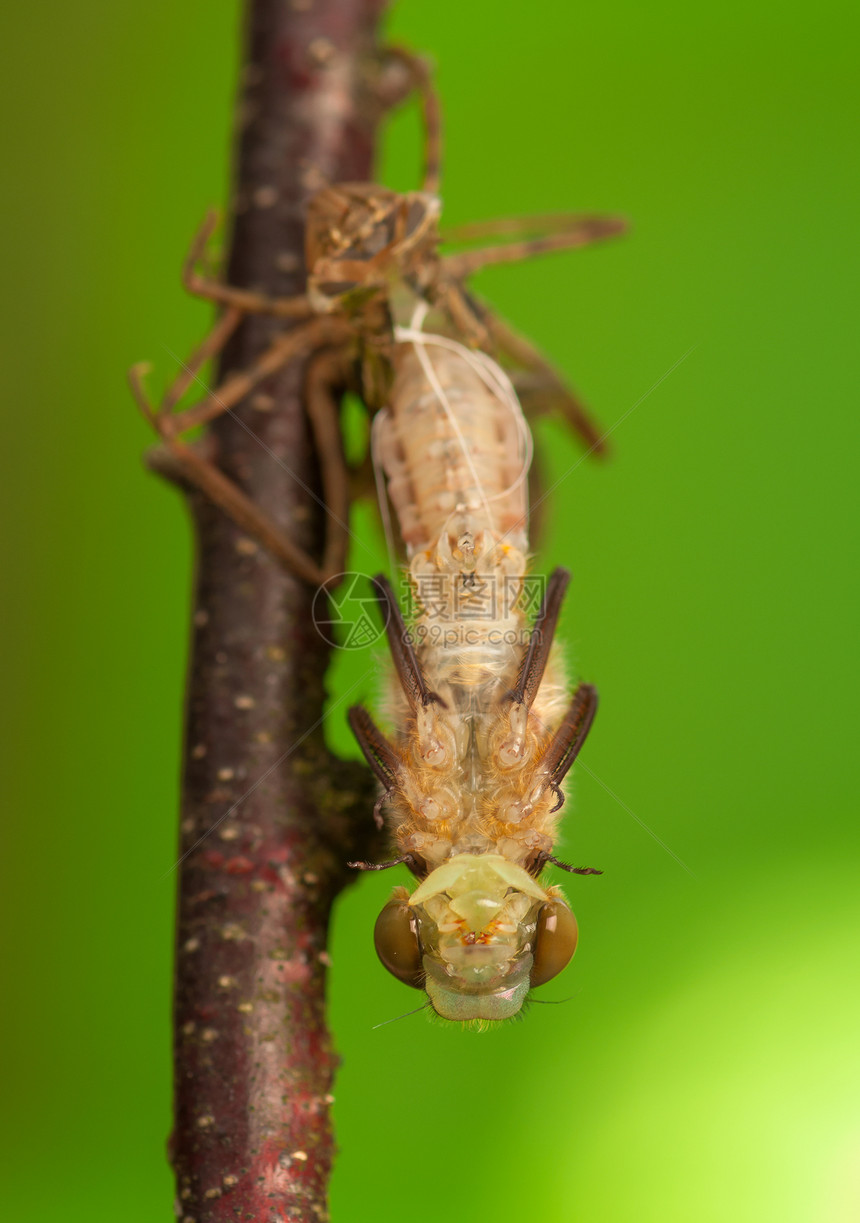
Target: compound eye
x=395 y=937
x=555 y=941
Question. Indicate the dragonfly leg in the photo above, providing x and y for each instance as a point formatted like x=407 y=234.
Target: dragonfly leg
x=199 y=285
x=465 y=314
x=406 y=664
x=201 y=473
x=325 y=374
x=422 y=82
x=289 y=345
x=565 y=745
x=540 y=387
x=557 y=233
x=540 y=859
x=210 y=347
x=540 y=640
x=188 y=465
x=536 y=225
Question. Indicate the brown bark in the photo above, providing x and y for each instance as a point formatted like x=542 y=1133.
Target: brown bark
x=269 y=817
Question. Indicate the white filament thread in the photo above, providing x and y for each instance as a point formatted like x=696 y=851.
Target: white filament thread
x=493 y=377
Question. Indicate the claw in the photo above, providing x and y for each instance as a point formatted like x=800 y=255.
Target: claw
x=136 y=375
x=197 y=250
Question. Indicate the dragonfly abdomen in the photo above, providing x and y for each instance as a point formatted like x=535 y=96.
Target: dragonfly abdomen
x=452 y=448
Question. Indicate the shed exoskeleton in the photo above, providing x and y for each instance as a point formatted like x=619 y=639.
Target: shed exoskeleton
x=484 y=729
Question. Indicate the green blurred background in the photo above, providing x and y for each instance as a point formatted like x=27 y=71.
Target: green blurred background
x=706 y=1066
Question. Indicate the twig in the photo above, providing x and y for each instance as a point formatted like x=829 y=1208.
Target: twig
x=269 y=817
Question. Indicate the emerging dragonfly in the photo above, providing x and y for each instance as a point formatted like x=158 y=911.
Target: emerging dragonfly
x=485 y=729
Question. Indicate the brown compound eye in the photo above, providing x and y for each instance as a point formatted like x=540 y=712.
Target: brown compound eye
x=555 y=941
x=395 y=937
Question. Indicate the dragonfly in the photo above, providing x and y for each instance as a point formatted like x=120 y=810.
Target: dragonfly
x=484 y=726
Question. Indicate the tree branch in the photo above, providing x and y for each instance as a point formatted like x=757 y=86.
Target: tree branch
x=269 y=817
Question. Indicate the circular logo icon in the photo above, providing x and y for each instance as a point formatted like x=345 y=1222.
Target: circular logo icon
x=346 y=613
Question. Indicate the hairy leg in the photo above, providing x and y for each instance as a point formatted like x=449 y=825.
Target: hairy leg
x=202 y=473
x=422 y=80
x=287 y=346
x=211 y=345
x=557 y=233
x=540 y=387
x=326 y=373
x=242 y=299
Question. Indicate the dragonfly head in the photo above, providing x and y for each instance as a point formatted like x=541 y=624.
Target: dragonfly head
x=477 y=934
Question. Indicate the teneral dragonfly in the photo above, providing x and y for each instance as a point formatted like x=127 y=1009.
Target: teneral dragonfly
x=484 y=727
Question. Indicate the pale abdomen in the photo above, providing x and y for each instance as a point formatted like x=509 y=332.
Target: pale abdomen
x=453 y=450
